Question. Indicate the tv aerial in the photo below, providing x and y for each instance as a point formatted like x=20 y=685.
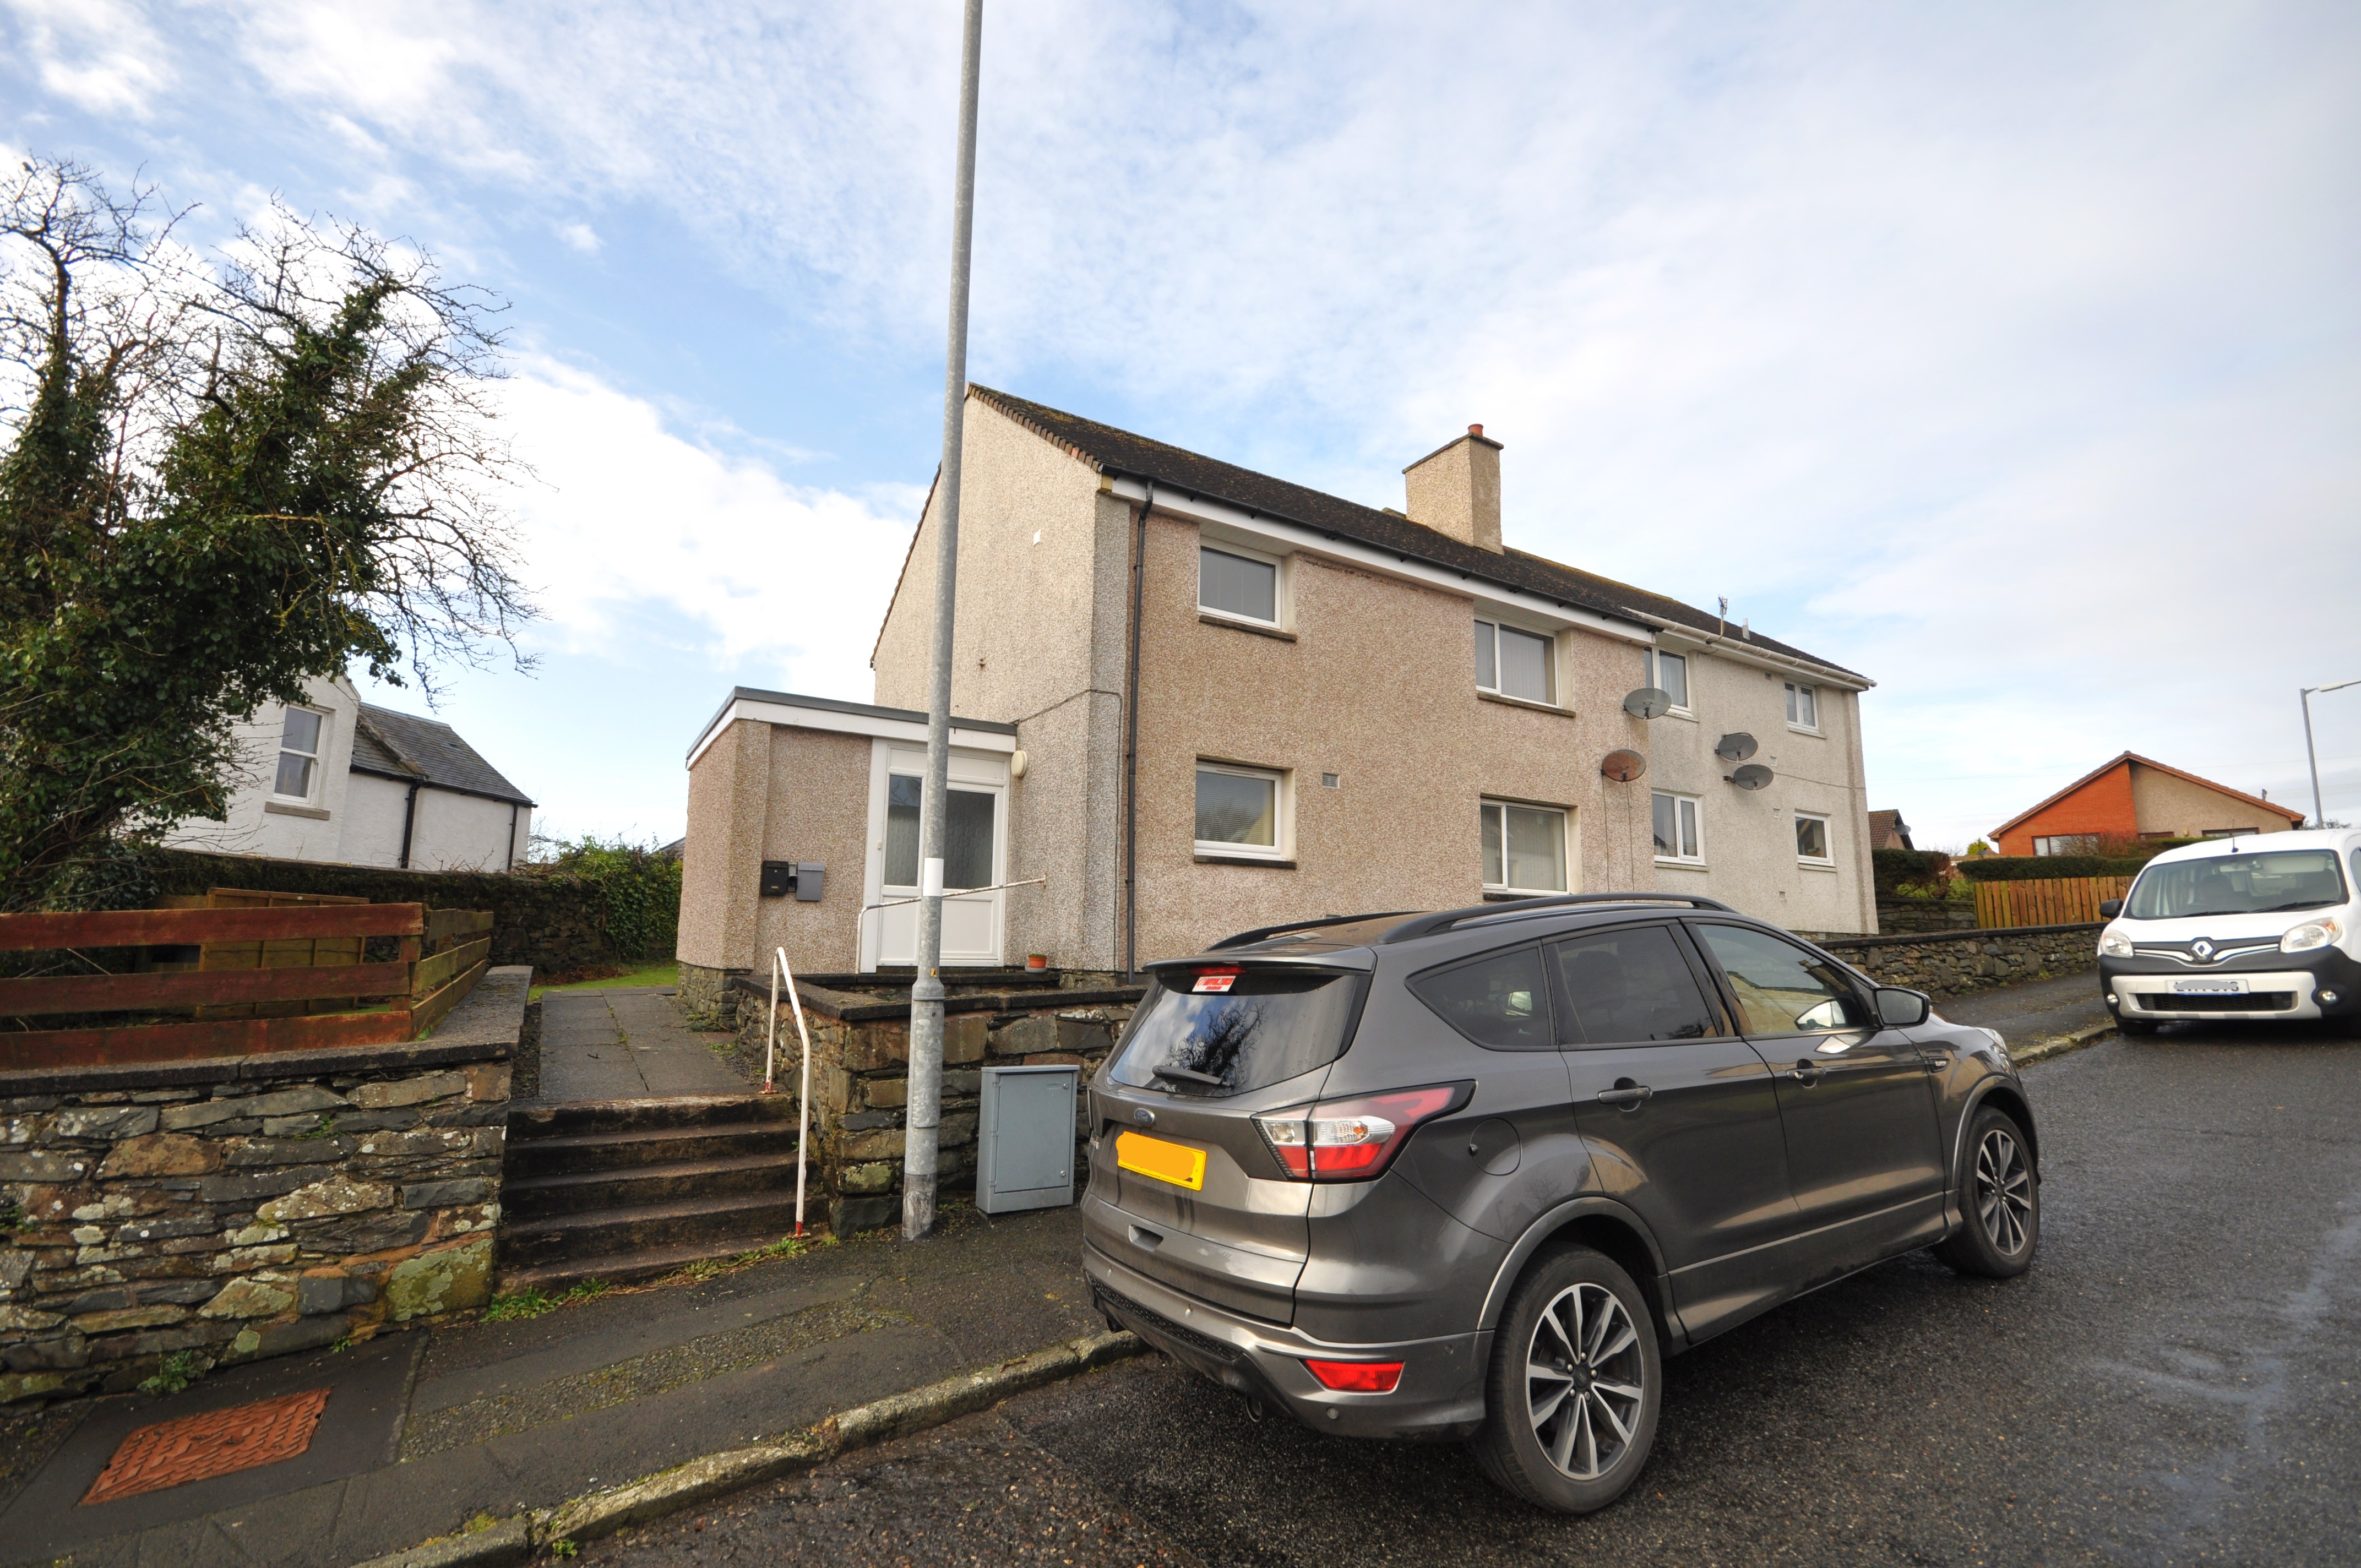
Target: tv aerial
x=1622 y=765
x=1753 y=775
x=1649 y=701
x=1734 y=747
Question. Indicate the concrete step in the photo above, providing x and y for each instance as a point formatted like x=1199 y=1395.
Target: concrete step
x=574 y=1154
x=541 y=1197
x=646 y=1227
x=533 y=1119
x=627 y=1268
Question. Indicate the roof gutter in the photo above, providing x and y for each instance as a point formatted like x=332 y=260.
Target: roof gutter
x=1749 y=649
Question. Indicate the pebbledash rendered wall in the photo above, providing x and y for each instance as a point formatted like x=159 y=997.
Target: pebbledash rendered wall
x=1953 y=963
x=252 y=1206
x=861 y=1079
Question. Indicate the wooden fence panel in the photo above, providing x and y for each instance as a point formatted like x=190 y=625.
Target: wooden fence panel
x=2045 y=901
x=194 y=927
x=198 y=988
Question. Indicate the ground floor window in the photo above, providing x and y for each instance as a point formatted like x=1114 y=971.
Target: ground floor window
x=1679 y=840
x=1812 y=840
x=1524 y=847
x=2067 y=844
x=1239 y=810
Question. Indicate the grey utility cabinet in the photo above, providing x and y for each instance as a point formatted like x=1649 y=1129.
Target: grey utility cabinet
x=1025 y=1141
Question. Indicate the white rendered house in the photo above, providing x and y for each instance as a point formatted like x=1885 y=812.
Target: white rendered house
x=335 y=778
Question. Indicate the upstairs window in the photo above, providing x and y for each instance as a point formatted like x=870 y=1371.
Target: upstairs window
x=299 y=754
x=1802 y=707
x=1524 y=847
x=1669 y=672
x=1512 y=663
x=1678 y=841
x=1235 y=585
x=1812 y=840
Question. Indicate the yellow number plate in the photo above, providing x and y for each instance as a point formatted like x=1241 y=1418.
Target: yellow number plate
x=1166 y=1162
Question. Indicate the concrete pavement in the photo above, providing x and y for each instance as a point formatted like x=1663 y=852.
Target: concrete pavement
x=627 y=1043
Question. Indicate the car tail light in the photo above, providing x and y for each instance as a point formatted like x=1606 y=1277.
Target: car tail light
x=1353 y=1140
x=1358 y=1376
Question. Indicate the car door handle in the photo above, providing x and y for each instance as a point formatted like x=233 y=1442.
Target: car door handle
x=1806 y=1073
x=1625 y=1094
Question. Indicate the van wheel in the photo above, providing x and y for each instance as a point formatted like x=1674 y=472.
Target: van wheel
x=1576 y=1383
x=2000 y=1198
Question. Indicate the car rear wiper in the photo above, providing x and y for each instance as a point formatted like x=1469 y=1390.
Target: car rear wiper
x=1187 y=1075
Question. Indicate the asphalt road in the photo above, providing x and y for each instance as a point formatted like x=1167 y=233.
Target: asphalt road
x=2177 y=1380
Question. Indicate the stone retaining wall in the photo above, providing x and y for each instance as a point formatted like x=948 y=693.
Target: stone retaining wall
x=1896 y=916
x=251 y=1206
x=1955 y=963
x=861 y=1055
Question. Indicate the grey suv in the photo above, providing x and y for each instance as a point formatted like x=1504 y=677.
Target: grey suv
x=1474 y=1174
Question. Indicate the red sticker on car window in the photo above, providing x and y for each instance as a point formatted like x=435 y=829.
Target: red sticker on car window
x=1216 y=980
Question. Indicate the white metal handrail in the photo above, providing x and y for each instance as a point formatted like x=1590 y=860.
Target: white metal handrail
x=770 y=1050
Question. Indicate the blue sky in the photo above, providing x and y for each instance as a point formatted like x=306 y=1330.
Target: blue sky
x=2010 y=354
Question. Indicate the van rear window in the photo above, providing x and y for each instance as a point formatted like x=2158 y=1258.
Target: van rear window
x=1259 y=1027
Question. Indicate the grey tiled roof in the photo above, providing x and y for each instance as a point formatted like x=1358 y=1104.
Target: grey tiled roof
x=405 y=746
x=1119 y=450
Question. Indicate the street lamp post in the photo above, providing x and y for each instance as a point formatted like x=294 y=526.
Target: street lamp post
x=2318 y=814
x=922 y=1121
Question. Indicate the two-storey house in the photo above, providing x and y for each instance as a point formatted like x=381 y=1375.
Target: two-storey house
x=1193 y=698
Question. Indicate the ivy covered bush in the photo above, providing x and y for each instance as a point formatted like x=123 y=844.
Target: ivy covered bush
x=639 y=887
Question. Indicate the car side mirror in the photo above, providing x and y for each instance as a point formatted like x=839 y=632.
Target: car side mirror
x=1900 y=1009
x=2110 y=907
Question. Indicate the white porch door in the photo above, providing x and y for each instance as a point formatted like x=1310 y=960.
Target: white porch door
x=973 y=840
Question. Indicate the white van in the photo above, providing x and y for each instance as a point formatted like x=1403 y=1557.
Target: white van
x=2258 y=926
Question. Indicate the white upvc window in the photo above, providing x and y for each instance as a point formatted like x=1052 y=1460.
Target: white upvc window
x=1241 y=811
x=1669 y=672
x=302 y=740
x=2068 y=844
x=1512 y=661
x=1814 y=845
x=1803 y=708
x=1679 y=828
x=1524 y=847
x=1238 y=585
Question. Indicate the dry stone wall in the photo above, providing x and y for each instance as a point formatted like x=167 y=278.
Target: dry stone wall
x=860 y=1080
x=249 y=1207
x=1953 y=964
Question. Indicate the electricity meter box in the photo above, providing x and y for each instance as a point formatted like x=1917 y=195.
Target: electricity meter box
x=1025 y=1138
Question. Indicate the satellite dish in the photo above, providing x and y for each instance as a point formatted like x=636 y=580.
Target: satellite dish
x=1648 y=702
x=1734 y=747
x=1623 y=766
x=1753 y=775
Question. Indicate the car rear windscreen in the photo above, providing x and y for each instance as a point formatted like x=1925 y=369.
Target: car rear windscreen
x=2262 y=883
x=1262 y=1026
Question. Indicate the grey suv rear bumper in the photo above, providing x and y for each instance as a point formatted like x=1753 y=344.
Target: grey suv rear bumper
x=1441 y=1393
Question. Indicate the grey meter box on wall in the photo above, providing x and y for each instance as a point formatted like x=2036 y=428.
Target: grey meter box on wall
x=1024 y=1142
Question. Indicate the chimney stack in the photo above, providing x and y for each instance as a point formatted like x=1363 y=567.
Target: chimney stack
x=1457 y=490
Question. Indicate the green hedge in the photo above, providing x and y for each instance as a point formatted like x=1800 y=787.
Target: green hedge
x=1890 y=869
x=2035 y=868
x=553 y=922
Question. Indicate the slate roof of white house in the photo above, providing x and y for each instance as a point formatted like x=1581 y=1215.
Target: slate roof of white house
x=1137 y=456
x=406 y=747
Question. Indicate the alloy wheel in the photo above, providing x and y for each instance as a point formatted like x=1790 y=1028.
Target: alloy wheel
x=2003 y=1192
x=1583 y=1376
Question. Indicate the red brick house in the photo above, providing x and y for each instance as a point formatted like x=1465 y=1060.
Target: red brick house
x=2137 y=797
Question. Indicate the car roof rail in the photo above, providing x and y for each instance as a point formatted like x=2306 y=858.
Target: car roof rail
x=1427 y=924
x=1262 y=933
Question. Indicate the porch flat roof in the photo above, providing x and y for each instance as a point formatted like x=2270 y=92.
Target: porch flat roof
x=845 y=717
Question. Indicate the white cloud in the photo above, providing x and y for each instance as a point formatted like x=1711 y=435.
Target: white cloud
x=629 y=515
x=581 y=237
x=98 y=54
